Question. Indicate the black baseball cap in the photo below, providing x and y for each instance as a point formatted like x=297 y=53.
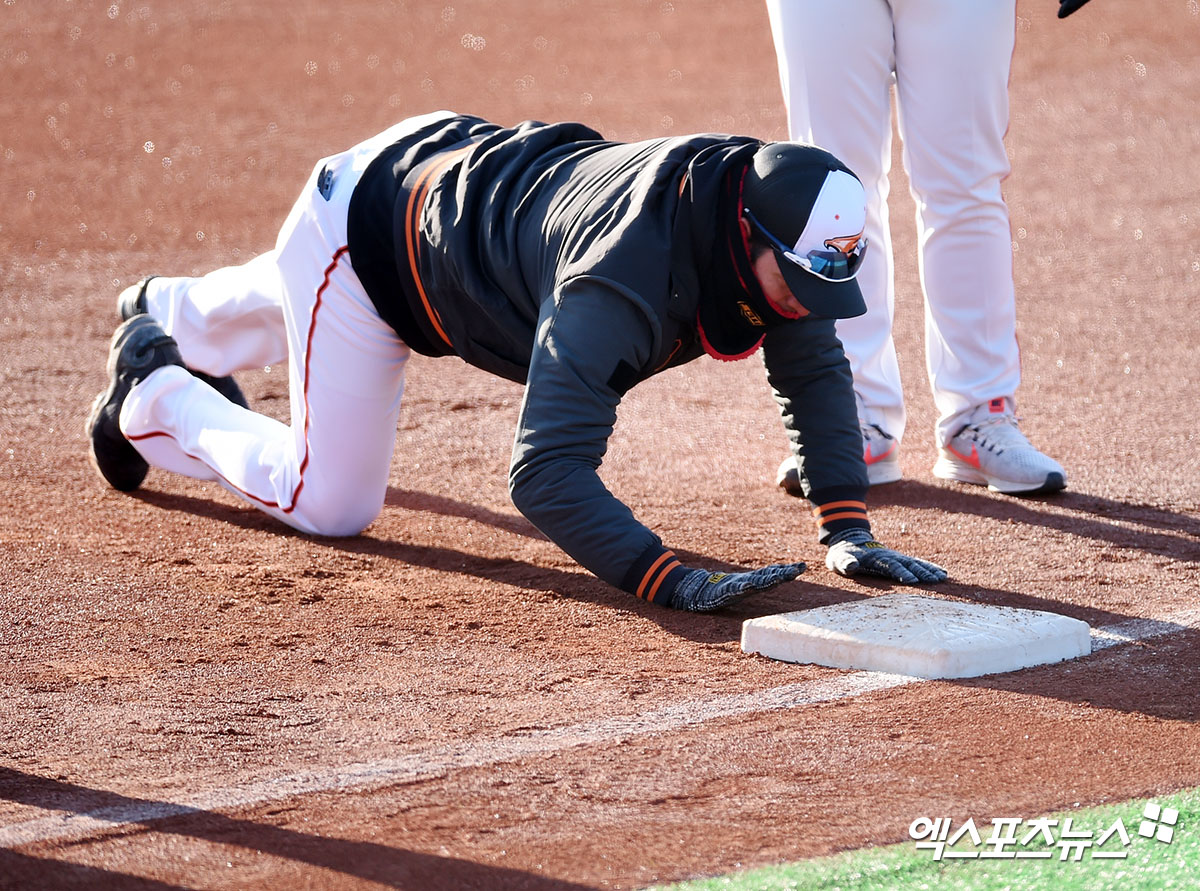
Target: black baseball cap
x=812 y=209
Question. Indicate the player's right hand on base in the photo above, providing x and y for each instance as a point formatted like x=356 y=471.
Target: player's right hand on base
x=701 y=591
x=856 y=551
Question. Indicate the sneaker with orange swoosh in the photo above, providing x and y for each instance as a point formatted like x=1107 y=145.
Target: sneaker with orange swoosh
x=881 y=452
x=995 y=453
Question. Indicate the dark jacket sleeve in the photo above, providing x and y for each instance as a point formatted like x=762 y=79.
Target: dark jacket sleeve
x=810 y=376
x=588 y=337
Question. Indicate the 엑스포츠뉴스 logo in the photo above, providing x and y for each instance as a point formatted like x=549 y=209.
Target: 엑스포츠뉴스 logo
x=1040 y=838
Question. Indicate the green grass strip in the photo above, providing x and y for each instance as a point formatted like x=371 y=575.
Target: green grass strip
x=1151 y=864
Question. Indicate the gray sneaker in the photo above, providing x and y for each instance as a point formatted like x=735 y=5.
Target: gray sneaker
x=881 y=452
x=138 y=347
x=995 y=453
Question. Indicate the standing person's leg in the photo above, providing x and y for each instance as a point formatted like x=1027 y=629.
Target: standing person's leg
x=835 y=65
x=327 y=472
x=952 y=70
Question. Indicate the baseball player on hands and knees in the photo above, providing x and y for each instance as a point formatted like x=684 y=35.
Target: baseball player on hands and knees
x=541 y=253
x=949 y=61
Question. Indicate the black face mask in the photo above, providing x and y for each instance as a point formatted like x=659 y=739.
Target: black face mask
x=733 y=314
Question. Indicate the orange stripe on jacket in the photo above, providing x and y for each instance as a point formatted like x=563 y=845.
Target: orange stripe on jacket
x=860 y=505
x=666 y=571
x=416 y=203
x=666 y=555
x=848 y=515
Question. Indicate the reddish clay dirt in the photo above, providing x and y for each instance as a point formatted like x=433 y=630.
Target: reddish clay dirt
x=174 y=646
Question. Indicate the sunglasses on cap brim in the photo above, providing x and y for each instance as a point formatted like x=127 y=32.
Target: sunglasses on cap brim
x=831 y=265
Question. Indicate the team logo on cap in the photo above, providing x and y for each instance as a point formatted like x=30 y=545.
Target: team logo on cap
x=847 y=244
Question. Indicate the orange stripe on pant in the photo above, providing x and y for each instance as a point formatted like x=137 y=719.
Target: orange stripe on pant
x=303 y=465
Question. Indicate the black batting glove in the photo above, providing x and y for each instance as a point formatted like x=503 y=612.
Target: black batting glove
x=1066 y=7
x=701 y=591
x=855 y=551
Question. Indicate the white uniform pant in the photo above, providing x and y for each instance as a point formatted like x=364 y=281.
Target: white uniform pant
x=327 y=472
x=950 y=60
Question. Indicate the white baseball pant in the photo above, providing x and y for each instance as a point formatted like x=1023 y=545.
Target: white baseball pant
x=950 y=61
x=327 y=472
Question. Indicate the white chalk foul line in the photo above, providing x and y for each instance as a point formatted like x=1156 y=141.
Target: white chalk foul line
x=444 y=759
x=1143 y=629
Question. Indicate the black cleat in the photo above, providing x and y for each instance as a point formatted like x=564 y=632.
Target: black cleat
x=139 y=347
x=132 y=302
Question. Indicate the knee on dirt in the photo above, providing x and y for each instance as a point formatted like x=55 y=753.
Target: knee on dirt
x=343 y=521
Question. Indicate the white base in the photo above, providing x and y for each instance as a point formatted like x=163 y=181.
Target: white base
x=920 y=636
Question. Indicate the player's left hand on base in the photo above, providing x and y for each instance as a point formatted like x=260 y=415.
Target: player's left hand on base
x=701 y=591
x=855 y=551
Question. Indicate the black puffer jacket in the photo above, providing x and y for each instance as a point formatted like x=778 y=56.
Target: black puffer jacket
x=576 y=266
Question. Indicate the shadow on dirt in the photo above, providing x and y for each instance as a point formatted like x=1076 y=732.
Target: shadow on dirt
x=449 y=507
x=1165 y=533
x=577 y=584
x=1157 y=677
x=20 y=872
x=805 y=593
x=388 y=866
x=725 y=626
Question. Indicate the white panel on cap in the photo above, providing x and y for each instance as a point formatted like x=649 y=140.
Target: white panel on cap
x=840 y=210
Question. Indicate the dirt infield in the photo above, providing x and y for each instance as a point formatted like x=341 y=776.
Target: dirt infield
x=196 y=696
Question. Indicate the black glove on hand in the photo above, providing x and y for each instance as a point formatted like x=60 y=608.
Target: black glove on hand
x=1066 y=7
x=701 y=591
x=855 y=551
